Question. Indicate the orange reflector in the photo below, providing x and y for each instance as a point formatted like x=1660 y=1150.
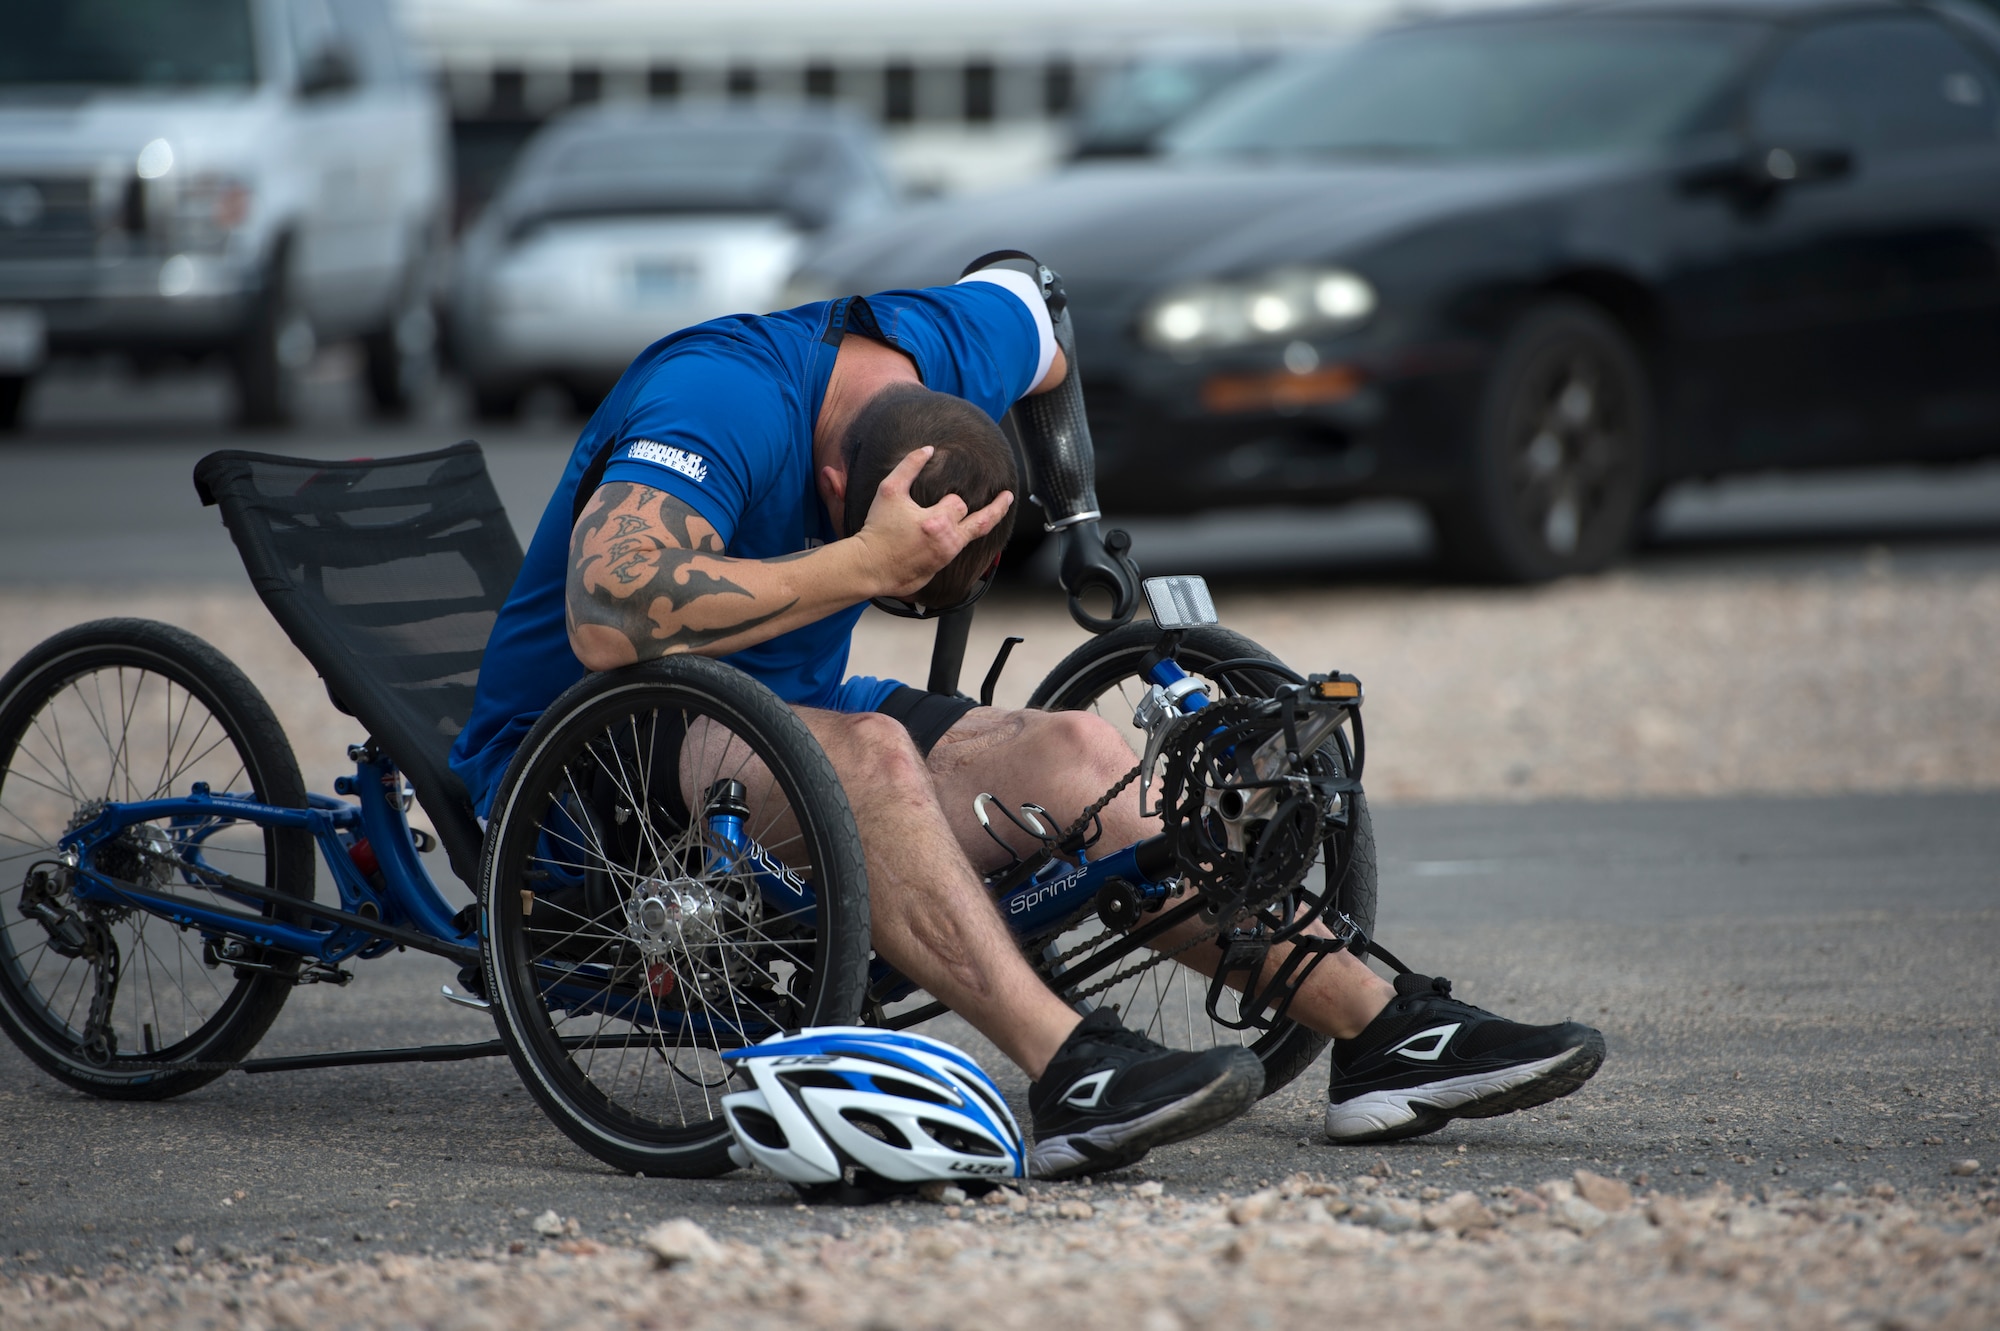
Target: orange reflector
x=1338 y=688
x=1279 y=389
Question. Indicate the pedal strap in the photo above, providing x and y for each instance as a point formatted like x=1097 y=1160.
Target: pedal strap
x=1386 y=957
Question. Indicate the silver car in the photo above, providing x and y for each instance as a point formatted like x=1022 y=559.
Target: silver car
x=619 y=226
x=180 y=178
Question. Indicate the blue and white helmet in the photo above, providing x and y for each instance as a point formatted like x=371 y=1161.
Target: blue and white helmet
x=903 y=1108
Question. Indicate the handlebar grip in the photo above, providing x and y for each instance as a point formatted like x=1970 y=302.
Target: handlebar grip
x=1094 y=562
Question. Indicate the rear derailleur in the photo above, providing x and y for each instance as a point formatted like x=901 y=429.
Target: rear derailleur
x=79 y=935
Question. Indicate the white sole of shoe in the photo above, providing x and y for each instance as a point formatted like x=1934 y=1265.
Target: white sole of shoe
x=1115 y=1145
x=1377 y=1112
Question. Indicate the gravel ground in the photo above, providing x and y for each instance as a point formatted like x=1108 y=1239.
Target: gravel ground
x=1863 y=677
x=1583 y=1251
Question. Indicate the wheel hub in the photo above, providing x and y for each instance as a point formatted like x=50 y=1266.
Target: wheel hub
x=673 y=918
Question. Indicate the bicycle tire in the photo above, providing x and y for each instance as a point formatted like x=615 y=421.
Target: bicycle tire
x=48 y=684
x=1084 y=678
x=540 y=974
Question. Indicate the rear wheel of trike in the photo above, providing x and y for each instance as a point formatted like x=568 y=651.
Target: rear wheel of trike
x=629 y=940
x=1162 y=998
x=113 y=999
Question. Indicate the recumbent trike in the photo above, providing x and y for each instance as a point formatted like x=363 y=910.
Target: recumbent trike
x=671 y=869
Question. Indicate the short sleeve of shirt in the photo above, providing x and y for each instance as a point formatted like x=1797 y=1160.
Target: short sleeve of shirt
x=707 y=429
x=976 y=340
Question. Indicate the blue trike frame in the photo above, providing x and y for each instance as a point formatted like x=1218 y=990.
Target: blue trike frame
x=406 y=908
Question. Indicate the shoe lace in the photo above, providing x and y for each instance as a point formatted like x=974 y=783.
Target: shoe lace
x=1110 y=1031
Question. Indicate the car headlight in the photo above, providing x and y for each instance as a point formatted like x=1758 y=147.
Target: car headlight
x=1289 y=303
x=205 y=210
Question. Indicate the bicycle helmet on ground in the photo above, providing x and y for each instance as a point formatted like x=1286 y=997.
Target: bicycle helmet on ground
x=834 y=1108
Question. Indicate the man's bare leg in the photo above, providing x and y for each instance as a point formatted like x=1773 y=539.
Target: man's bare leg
x=930 y=915
x=1065 y=761
x=1103 y=1096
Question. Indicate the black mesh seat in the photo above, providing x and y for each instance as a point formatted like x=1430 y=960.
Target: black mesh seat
x=387 y=574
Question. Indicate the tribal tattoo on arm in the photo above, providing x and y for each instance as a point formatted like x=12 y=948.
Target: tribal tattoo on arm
x=651 y=569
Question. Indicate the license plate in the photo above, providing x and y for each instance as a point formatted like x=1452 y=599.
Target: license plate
x=23 y=339
x=663 y=279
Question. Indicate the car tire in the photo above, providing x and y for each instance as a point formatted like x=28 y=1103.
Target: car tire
x=494 y=402
x=401 y=363
x=13 y=393
x=1029 y=535
x=1027 y=539
x=270 y=357
x=1556 y=467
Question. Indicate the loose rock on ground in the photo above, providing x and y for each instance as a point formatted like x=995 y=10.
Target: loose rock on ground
x=1140 y=1258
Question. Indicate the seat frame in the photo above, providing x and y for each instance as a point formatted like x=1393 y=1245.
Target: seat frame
x=463 y=512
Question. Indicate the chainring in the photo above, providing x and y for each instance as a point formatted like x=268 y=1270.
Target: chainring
x=1238 y=863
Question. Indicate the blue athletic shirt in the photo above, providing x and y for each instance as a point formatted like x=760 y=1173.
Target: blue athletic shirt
x=721 y=416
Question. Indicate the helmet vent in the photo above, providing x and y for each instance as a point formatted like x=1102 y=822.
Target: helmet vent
x=759 y=1127
x=910 y=1090
x=877 y=1127
x=804 y=1077
x=958 y=1139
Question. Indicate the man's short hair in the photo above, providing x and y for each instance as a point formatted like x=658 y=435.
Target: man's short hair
x=973 y=461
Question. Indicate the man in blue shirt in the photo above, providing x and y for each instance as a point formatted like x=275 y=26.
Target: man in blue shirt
x=747 y=487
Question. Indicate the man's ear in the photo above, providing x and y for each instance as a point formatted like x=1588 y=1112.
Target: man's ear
x=833 y=493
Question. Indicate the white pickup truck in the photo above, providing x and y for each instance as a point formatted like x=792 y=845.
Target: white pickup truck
x=187 y=178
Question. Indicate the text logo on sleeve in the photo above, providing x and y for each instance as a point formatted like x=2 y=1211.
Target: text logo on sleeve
x=679 y=459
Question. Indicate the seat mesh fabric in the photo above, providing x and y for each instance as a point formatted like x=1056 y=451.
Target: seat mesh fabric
x=388 y=575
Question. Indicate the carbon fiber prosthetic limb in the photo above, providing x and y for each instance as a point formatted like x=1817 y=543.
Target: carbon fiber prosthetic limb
x=1062 y=466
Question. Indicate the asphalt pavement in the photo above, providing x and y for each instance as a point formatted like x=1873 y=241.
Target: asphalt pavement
x=1796 y=994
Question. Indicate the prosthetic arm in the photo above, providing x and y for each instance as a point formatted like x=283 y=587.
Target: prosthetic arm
x=1062 y=469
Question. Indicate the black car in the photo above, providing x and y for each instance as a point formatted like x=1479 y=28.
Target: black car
x=1529 y=268
x=1129 y=113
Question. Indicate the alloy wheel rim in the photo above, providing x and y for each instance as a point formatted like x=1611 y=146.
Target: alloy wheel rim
x=1570 y=453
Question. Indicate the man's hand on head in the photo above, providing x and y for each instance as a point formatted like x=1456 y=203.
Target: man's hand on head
x=904 y=544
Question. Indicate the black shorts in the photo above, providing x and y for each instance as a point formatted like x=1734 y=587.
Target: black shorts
x=925 y=715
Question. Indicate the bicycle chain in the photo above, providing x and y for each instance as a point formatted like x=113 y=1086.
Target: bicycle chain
x=1157 y=958
x=1083 y=821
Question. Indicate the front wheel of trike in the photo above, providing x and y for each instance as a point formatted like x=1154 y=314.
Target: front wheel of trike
x=1155 y=995
x=672 y=870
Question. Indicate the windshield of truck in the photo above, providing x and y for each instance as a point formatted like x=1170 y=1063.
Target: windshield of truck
x=127 y=44
x=1483 y=89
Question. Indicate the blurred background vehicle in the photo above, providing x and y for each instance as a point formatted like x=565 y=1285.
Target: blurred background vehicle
x=1129 y=110
x=1529 y=267
x=619 y=225
x=182 y=178
x=967 y=96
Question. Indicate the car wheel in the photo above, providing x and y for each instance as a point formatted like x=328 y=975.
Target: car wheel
x=13 y=392
x=1557 y=465
x=495 y=402
x=271 y=356
x=1027 y=539
x=402 y=356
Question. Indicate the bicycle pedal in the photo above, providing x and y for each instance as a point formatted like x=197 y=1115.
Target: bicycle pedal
x=473 y=1001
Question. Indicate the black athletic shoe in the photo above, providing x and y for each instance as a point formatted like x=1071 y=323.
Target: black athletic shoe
x=1428 y=1059
x=1110 y=1095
